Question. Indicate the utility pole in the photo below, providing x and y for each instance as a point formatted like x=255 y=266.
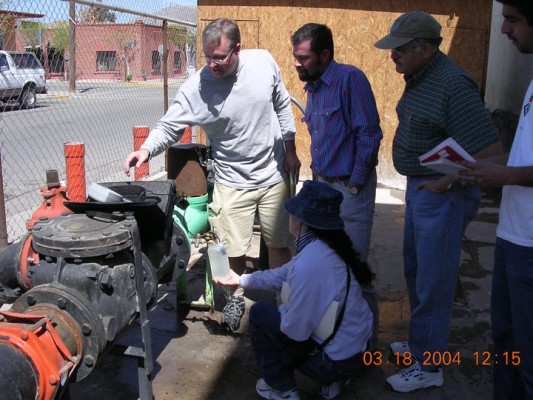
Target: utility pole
x=72 y=47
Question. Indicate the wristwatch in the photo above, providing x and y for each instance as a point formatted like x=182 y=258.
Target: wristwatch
x=354 y=189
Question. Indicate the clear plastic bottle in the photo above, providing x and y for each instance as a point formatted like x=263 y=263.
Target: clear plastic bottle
x=218 y=259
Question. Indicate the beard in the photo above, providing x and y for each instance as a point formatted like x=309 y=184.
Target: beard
x=306 y=76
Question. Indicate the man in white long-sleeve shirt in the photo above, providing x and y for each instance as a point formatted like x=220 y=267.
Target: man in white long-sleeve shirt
x=239 y=99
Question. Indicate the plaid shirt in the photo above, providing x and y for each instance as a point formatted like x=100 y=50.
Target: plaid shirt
x=441 y=101
x=343 y=122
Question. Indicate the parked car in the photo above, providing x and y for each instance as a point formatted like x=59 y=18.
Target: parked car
x=22 y=77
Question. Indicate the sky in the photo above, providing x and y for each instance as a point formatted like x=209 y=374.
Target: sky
x=55 y=10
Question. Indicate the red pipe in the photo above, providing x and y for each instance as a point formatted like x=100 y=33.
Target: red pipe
x=75 y=165
x=140 y=133
x=34 y=339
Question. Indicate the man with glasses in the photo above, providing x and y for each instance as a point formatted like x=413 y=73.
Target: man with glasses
x=440 y=100
x=239 y=99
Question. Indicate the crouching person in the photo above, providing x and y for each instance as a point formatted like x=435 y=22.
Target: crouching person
x=323 y=325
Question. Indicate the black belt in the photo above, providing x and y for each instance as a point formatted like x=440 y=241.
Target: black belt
x=331 y=179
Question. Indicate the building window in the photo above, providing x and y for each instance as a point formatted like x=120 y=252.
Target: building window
x=106 y=61
x=177 y=61
x=156 y=63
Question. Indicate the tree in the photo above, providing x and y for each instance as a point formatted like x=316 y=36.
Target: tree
x=60 y=36
x=32 y=32
x=127 y=46
x=94 y=15
x=185 y=40
x=4 y=18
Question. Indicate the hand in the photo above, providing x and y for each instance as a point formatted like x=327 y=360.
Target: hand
x=233 y=281
x=292 y=165
x=485 y=173
x=435 y=186
x=135 y=159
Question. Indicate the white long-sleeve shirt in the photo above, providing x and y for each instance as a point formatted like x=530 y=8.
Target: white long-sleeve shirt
x=317 y=276
x=247 y=116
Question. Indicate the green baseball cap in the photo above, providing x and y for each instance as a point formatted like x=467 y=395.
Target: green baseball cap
x=409 y=26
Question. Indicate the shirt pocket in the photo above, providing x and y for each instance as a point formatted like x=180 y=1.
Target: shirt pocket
x=422 y=131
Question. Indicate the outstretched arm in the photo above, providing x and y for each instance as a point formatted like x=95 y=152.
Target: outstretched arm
x=135 y=159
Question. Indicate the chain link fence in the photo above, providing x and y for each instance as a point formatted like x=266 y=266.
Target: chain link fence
x=109 y=66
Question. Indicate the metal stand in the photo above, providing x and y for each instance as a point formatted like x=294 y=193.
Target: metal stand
x=143 y=355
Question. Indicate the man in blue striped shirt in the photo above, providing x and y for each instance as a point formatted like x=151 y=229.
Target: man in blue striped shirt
x=343 y=122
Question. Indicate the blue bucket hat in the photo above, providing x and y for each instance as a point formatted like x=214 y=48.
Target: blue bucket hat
x=317 y=205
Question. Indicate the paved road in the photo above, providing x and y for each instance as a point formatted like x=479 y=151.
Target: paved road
x=100 y=114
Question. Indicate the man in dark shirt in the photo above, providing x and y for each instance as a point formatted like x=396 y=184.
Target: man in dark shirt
x=440 y=100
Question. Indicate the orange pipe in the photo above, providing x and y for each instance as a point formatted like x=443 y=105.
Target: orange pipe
x=75 y=165
x=36 y=339
x=140 y=133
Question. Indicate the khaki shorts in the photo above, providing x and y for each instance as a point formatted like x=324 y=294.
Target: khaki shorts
x=232 y=213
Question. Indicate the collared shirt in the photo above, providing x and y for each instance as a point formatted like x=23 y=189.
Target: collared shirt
x=303 y=240
x=343 y=122
x=439 y=102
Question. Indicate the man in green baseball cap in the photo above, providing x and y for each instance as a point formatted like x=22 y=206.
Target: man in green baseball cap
x=440 y=100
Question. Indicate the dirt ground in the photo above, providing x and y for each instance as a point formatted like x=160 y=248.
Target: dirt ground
x=195 y=360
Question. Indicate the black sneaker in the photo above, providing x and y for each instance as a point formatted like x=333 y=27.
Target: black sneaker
x=232 y=313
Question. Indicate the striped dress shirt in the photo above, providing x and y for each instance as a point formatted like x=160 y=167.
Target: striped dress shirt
x=343 y=122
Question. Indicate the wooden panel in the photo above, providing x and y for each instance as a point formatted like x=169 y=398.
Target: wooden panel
x=356 y=26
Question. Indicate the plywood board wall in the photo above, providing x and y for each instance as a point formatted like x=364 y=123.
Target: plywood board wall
x=356 y=26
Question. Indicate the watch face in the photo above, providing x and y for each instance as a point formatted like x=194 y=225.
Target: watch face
x=354 y=190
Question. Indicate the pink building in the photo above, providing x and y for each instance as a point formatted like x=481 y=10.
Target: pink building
x=110 y=51
x=113 y=51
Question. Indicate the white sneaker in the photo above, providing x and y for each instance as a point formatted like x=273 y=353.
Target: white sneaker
x=330 y=392
x=266 y=392
x=413 y=378
x=400 y=347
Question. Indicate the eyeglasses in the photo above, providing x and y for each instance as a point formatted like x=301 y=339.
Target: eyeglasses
x=218 y=60
x=402 y=49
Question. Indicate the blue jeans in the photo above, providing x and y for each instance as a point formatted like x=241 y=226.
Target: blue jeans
x=277 y=354
x=357 y=213
x=434 y=227
x=512 y=319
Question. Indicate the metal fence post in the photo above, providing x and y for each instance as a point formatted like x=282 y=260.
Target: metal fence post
x=3 y=222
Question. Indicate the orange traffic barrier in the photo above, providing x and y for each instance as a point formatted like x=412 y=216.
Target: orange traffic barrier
x=140 y=133
x=75 y=166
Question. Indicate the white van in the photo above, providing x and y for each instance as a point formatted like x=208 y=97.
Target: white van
x=22 y=77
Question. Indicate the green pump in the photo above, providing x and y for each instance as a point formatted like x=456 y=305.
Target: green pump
x=192 y=215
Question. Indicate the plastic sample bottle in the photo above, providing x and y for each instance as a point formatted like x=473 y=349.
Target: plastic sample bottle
x=218 y=260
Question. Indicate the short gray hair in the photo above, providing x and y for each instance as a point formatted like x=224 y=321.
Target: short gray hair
x=213 y=32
